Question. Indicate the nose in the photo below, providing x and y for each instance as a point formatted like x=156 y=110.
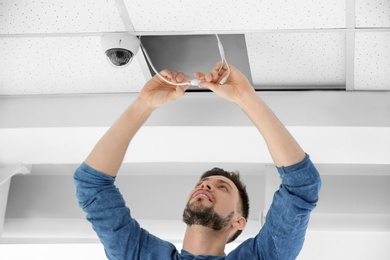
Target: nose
x=205 y=185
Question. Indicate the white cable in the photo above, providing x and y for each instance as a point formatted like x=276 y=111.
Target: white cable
x=192 y=82
x=157 y=73
x=223 y=61
x=224 y=79
x=221 y=52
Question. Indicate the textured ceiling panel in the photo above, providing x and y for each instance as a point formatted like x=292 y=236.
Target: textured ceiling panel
x=55 y=16
x=297 y=58
x=225 y=15
x=372 y=61
x=372 y=13
x=56 y=65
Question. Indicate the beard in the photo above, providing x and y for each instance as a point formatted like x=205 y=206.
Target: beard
x=197 y=214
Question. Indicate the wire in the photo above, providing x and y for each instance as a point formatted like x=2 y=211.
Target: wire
x=193 y=82
x=157 y=73
x=221 y=52
x=223 y=61
x=224 y=79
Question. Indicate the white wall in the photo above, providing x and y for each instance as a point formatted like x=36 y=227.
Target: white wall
x=318 y=246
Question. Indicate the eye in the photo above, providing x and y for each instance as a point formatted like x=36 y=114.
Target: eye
x=223 y=187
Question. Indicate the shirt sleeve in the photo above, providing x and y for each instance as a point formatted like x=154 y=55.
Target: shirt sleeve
x=106 y=210
x=283 y=233
x=120 y=234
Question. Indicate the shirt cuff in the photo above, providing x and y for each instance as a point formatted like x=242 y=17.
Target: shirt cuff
x=300 y=174
x=294 y=167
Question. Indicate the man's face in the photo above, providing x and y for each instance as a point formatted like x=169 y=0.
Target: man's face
x=213 y=203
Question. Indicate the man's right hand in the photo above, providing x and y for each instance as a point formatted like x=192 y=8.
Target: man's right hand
x=235 y=88
x=157 y=92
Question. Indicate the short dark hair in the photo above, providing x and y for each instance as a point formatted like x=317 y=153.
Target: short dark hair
x=235 y=178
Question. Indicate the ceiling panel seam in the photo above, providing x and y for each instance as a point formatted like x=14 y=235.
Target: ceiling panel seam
x=350 y=45
x=171 y=33
x=120 y=5
x=126 y=20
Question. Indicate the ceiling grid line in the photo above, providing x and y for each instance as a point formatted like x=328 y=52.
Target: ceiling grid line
x=120 y=5
x=174 y=33
x=350 y=45
x=128 y=24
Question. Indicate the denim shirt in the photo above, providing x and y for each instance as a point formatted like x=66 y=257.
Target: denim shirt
x=281 y=237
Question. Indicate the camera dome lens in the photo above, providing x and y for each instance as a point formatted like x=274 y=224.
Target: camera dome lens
x=119 y=57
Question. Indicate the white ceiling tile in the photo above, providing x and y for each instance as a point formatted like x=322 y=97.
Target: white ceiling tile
x=372 y=61
x=296 y=58
x=372 y=13
x=198 y=15
x=56 y=16
x=57 y=65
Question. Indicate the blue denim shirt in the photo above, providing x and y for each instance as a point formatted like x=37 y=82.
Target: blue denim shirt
x=281 y=237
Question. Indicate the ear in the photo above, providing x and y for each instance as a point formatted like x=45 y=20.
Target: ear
x=240 y=223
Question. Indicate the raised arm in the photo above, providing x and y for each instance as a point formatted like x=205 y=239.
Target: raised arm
x=283 y=147
x=108 y=154
x=96 y=192
x=287 y=219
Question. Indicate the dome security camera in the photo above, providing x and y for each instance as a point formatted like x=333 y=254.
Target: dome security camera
x=120 y=48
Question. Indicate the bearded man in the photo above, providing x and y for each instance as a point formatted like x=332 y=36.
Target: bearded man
x=218 y=206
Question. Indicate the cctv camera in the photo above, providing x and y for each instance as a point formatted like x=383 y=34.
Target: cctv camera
x=120 y=48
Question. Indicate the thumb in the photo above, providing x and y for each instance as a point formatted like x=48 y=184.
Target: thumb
x=209 y=85
x=179 y=92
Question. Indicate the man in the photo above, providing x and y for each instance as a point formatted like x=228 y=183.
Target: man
x=215 y=213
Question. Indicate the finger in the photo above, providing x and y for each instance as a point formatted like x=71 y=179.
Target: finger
x=180 y=77
x=179 y=92
x=209 y=85
x=217 y=66
x=185 y=87
x=166 y=73
x=214 y=74
x=209 y=77
x=186 y=78
x=199 y=75
x=217 y=71
x=174 y=75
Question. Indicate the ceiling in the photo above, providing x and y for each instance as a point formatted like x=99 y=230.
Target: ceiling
x=322 y=66
x=279 y=44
